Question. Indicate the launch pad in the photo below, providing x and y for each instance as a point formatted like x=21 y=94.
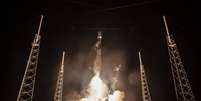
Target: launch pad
x=97 y=89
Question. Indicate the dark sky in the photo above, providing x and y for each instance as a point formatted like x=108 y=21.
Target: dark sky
x=130 y=26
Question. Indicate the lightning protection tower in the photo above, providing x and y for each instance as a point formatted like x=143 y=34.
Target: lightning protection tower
x=145 y=89
x=27 y=86
x=181 y=83
x=59 y=85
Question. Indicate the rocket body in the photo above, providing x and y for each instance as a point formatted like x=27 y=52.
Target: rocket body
x=98 y=59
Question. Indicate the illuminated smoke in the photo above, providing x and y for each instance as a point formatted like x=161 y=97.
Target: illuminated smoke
x=117 y=96
x=97 y=89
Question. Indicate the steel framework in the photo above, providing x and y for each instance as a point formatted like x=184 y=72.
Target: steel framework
x=59 y=85
x=181 y=83
x=27 y=86
x=145 y=88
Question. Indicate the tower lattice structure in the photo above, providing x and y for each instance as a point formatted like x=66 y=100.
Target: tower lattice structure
x=27 y=86
x=59 y=85
x=181 y=83
x=144 y=84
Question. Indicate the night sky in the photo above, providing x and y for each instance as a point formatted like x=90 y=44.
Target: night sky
x=127 y=26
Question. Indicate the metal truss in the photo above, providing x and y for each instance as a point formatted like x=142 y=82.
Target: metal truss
x=145 y=89
x=59 y=85
x=181 y=83
x=27 y=86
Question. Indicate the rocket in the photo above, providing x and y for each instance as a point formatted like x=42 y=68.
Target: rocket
x=99 y=38
x=98 y=59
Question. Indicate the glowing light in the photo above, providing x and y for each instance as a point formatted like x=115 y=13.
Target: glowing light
x=97 y=89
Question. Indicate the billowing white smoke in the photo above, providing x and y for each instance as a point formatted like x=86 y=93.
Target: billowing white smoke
x=117 y=96
x=98 y=91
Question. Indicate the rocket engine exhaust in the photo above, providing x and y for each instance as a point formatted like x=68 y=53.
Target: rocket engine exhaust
x=97 y=90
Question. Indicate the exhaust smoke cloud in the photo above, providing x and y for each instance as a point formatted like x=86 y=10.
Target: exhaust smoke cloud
x=102 y=82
